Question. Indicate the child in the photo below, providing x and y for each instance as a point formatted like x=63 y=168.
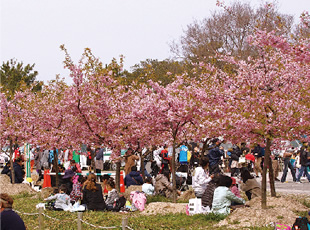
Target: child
x=76 y=193
x=62 y=199
x=223 y=196
x=148 y=187
x=234 y=188
x=104 y=180
x=112 y=194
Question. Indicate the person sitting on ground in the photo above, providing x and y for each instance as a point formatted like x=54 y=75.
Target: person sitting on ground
x=7 y=169
x=112 y=194
x=207 y=197
x=201 y=177
x=234 y=188
x=133 y=178
x=104 y=180
x=76 y=193
x=18 y=170
x=67 y=180
x=92 y=194
x=148 y=187
x=163 y=186
x=223 y=197
x=249 y=184
x=62 y=199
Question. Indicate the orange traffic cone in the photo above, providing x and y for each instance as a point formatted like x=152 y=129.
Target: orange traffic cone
x=47 y=179
x=121 y=180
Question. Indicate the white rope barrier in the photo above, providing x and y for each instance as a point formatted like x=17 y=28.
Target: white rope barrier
x=25 y=213
x=95 y=226
x=51 y=217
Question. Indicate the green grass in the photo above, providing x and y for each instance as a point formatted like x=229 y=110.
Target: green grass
x=26 y=203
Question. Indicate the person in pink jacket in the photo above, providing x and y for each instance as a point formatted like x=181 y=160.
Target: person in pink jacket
x=234 y=188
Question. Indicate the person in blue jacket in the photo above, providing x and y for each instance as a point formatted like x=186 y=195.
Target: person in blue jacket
x=215 y=155
x=183 y=154
x=133 y=178
x=18 y=170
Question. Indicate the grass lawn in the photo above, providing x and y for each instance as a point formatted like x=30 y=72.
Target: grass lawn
x=26 y=203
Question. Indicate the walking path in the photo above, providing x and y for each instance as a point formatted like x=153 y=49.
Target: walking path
x=289 y=187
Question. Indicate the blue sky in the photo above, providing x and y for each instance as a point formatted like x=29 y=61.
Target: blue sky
x=32 y=30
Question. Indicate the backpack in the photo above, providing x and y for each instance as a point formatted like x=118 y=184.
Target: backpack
x=164 y=156
x=119 y=203
x=301 y=223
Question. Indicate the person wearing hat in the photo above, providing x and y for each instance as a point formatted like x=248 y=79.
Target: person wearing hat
x=67 y=180
x=9 y=219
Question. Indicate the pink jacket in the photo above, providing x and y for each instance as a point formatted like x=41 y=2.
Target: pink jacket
x=138 y=199
x=234 y=189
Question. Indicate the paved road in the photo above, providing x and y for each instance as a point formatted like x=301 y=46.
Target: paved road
x=290 y=186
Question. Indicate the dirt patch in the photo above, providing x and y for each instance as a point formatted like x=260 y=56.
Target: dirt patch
x=281 y=210
x=13 y=189
x=163 y=208
x=46 y=192
x=131 y=189
x=185 y=196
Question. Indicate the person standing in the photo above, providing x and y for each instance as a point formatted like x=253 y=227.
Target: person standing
x=99 y=160
x=130 y=160
x=215 y=155
x=183 y=154
x=275 y=166
x=304 y=159
x=258 y=153
x=287 y=164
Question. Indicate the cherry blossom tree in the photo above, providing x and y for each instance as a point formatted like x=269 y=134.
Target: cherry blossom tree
x=15 y=127
x=267 y=99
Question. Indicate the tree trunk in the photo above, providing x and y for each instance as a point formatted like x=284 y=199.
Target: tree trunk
x=264 y=180
x=271 y=173
x=174 y=192
x=117 y=175
x=142 y=166
x=55 y=163
x=11 y=162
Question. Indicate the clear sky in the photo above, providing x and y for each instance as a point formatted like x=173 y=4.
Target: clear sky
x=32 y=30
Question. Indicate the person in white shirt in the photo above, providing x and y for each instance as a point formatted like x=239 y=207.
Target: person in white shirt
x=148 y=187
x=201 y=177
x=62 y=200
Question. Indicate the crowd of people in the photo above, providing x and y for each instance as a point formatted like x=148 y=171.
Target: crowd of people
x=207 y=173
